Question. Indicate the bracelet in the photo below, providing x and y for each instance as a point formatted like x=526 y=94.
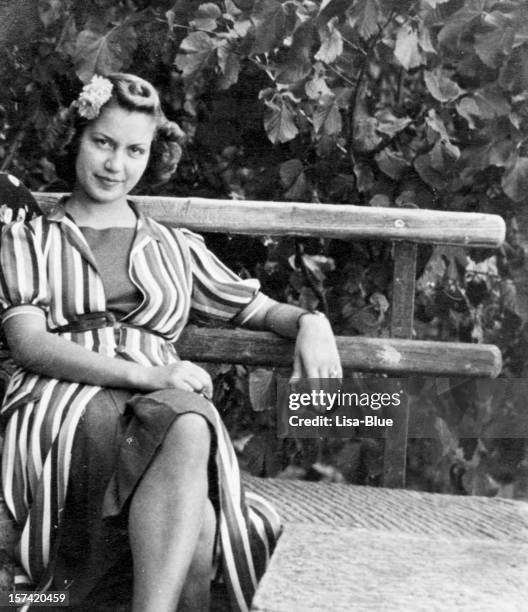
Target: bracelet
x=317 y=313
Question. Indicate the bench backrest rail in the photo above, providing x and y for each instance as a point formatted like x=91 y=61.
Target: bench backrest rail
x=324 y=220
x=405 y=227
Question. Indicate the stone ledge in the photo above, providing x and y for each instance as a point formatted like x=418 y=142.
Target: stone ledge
x=317 y=567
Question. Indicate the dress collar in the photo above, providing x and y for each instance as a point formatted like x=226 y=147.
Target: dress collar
x=146 y=231
x=145 y=226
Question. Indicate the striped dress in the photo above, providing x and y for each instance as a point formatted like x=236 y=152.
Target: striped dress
x=47 y=269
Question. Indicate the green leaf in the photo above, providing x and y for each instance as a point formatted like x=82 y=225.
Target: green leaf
x=331 y=43
x=269 y=19
x=443 y=155
x=229 y=64
x=232 y=9
x=447 y=439
x=390 y=124
x=279 y=121
x=195 y=53
x=289 y=171
x=515 y=180
x=392 y=163
x=244 y=5
x=242 y=27
x=316 y=266
x=363 y=320
x=383 y=201
x=514 y=74
x=406 y=50
x=293 y=180
x=431 y=176
x=317 y=88
x=492 y=102
x=206 y=17
x=441 y=87
x=501 y=152
x=343 y=96
x=50 y=11
x=332 y=8
x=424 y=39
x=262 y=389
x=435 y=123
x=97 y=53
x=492 y=46
x=478 y=482
x=495 y=152
x=366 y=137
x=327 y=118
x=297 y=64
x=68 y=39
x=364 y=176
x=468 y=108
x=459 y=22
x=364 y=17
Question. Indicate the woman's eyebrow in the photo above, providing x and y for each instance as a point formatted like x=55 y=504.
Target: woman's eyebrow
x=104 y=135
x=114 y=141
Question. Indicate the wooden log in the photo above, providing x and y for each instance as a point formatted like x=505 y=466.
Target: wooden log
x=403 y=290
x=323 y=220
x=390 y=355
x=402 y=319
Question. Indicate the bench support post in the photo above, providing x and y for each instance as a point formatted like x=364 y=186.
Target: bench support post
x=402 y=312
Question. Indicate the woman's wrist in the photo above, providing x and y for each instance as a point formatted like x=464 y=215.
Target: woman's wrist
x=286 y=319
x=310 y=316
x=138 y=376
x=283 y=319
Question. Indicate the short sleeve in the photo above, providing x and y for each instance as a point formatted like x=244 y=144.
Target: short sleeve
x=217 y=292
x=23 y=282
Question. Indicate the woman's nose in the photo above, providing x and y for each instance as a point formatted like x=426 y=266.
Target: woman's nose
x=114 y=162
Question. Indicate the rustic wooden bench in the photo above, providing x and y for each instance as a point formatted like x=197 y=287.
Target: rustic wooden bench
x=397 y=355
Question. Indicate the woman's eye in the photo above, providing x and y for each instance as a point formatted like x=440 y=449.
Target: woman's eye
x=137 y=151
x=102 y=142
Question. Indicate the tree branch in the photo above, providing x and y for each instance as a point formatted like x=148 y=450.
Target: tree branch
x=340 y=75
x=353 y=105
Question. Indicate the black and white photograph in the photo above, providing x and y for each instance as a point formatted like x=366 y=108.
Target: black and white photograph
x=264 y=305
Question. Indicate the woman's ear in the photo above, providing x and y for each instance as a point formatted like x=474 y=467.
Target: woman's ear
x=166 y=151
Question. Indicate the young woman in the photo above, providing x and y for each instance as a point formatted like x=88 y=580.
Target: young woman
x=112 y=445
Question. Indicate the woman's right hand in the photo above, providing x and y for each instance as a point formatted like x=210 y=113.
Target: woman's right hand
x=37 y=350
x=181 y=375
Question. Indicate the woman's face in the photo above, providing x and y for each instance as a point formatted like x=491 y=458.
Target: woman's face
x=113 y=154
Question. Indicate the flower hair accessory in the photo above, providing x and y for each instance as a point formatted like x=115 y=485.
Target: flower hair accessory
x=93 y=96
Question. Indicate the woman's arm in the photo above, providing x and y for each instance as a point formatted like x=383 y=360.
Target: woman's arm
x=37 y=350
x=316 y=354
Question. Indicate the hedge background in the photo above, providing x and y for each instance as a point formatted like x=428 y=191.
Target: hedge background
x=418 y=103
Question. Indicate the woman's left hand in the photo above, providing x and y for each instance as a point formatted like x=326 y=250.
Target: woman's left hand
x=316 y=354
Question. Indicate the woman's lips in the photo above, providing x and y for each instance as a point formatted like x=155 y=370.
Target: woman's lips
x=108 y=181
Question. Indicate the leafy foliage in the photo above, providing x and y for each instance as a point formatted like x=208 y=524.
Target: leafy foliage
x=373 y=102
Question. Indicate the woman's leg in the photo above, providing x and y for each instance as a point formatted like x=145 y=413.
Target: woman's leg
x=171 y=523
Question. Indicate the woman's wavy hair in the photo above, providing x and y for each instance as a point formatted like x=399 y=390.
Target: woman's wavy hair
x=133 y=94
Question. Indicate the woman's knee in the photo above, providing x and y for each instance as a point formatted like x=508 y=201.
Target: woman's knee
x=189 y=438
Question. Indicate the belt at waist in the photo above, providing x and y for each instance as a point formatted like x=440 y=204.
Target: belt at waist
x=98 y=320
